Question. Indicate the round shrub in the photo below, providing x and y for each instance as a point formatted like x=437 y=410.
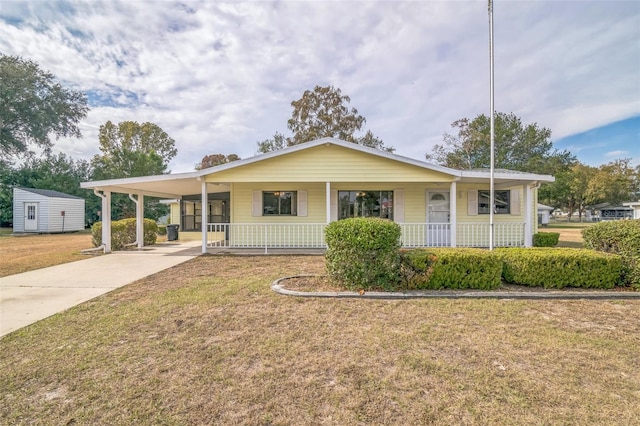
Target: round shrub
x=123 y=232
x=363 y=253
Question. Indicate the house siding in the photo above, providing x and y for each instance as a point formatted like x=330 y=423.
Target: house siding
x=329 y=163
x=174 y=215
x=414 y=201
x=242 y=202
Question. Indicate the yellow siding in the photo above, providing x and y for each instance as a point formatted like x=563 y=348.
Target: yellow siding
x=242 y=197
x=328 y=163
x=175 y=214
x=414 y=197
x=463 y=199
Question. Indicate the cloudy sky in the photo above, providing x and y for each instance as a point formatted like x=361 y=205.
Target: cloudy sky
x=220 y=76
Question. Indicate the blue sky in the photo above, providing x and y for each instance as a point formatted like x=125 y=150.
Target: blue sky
x=220 y=76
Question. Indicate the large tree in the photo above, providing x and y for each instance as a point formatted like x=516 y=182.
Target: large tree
x=323 y=112
x=216 y=160
x=518 y=146
x=130 y=149
x=34 y=106
x=613 y=183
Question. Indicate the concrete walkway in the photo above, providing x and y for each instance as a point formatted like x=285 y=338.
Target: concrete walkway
x=31 y=296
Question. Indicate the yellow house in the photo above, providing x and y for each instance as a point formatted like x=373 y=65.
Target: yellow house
x=284 y=199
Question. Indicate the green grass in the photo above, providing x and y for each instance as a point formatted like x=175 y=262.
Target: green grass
x=562 y=225
x=208 y=342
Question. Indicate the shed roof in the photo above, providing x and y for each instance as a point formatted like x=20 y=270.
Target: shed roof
x=50 y=193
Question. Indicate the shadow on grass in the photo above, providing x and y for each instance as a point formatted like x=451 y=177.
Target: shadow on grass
x=570 y=244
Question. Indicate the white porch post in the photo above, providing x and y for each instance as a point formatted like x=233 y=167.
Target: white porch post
x=453 y=216
x=106 y=221
x=204 y=211
x=528 y=224
x=328 y=197
x=140 y=221
x=139 y=201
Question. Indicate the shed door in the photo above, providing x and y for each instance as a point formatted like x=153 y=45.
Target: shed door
x=30 y=216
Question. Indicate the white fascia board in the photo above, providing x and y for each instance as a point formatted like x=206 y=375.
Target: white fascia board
x=146 y=193
x=140 y=179
x=516 y=176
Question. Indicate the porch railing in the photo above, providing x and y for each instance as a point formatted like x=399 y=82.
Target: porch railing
x=266 y=235
x=311 y=235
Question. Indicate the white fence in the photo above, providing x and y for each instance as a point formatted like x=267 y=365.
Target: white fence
x=311 y=235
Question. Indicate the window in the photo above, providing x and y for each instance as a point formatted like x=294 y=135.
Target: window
x=365 y=204
x=279 y=203
x=502 y=202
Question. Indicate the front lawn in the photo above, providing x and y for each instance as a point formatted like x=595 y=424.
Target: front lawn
x=22 y=253
x=208 y=342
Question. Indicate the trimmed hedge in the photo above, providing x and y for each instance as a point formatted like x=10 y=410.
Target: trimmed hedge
x=620 y=237
x=449 y=268
x=123 y=232
x=363 y=253
x=558 y=268
x=546 y=239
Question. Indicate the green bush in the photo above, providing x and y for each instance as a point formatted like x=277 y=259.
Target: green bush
x=546 y=239
x=558 y=268
x=162 y=229
x=363 y=253
x=123 y=232
x=448 y=268
x=619 y=237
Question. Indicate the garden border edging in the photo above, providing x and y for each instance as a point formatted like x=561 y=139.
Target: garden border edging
x=453 y=294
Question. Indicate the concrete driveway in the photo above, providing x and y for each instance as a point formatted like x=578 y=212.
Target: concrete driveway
x=31 y=296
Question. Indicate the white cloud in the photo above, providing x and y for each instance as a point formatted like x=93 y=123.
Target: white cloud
x=220 y=76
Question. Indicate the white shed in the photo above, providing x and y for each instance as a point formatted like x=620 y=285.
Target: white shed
x=544 y=212
x=46 y=211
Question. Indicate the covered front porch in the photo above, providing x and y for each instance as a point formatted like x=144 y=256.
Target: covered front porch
x=285 y=199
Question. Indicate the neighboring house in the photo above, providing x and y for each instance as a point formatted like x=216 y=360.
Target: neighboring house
x=46 y=211
x=285 y=198
x=636 y=208
x=544 y=213
x=608 y=211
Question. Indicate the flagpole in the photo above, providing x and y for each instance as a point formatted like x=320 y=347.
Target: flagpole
x=491 y=181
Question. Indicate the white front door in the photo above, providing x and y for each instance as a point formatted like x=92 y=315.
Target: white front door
x=30 y=216
x=438 y=215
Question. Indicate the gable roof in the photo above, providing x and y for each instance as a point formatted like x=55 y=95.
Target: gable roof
x=50 y=193
x=329 y=141
x=172 y=185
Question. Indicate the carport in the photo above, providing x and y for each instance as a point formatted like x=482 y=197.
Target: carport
x=164 y=186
